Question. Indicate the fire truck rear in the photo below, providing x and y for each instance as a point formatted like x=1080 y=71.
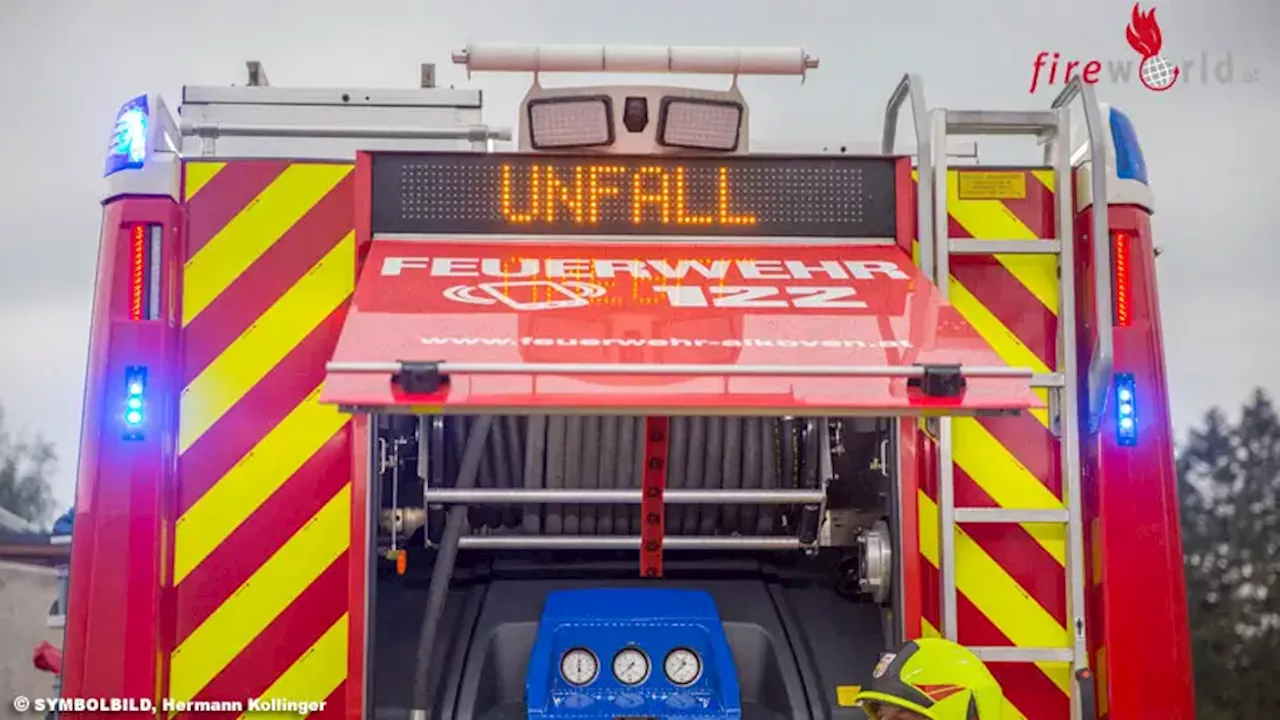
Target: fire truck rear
x=382 y=422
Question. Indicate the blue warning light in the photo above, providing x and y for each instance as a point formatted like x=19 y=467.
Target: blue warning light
x=128 y=149
x=135 y=385
x=1126 y=410
x=1130 y=162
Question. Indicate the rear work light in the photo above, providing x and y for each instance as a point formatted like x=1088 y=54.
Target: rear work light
x=1126 y=410
x=135 y=402
x=571 y=122
x=699 y=124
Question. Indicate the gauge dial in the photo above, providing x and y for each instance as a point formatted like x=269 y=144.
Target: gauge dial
x=579 y=667
x=631 y=666
x=682 y=666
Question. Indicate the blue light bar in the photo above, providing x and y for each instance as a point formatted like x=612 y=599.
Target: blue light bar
x=128 y=149
x=1126 y=410
x=1130 y=163
x=135 y=402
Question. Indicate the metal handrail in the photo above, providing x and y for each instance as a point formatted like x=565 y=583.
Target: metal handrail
x=912 y=87
x=473 y=133
x=1102 y=361
x=698 y=369
x=584 y=496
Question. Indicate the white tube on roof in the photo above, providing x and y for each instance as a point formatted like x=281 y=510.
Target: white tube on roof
x=503 y=57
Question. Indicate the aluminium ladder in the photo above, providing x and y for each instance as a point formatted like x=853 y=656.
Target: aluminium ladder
x=933 y=129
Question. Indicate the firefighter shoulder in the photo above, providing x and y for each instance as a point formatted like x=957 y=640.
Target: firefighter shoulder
x=934 y=679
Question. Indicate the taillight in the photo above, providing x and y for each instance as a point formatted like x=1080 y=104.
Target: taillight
x=144 y=271
x=1121 y=244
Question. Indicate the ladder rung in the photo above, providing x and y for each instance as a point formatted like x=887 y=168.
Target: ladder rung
x=1022 y=654
x=1018 y=122
x=1048 y=380
x=1011 y=515
x=961 y=246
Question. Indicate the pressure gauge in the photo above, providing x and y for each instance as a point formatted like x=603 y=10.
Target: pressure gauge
x=682 y=666
x=579 y=667
x=631 y=666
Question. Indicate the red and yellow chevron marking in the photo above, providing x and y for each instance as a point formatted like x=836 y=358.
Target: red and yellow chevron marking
x=260 y=545
x=1011 y=579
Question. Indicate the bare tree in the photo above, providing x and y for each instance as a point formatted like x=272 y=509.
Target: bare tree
x=26 y=465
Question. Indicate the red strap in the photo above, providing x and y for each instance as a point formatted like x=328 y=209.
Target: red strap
x=651 y=502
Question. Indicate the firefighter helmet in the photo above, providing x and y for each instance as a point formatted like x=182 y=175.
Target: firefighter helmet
x=937 y=679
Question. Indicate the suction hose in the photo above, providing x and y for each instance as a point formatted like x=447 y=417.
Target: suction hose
x=442 y=572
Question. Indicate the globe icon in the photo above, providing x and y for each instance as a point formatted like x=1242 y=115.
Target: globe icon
x=1158 y=73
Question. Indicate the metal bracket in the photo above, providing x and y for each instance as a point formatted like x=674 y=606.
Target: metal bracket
x=1088 y=693
x=419 y=378
x=939 y=380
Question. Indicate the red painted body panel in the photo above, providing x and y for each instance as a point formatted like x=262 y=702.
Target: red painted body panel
x=1142 y=595
x=119 y=612
x=409 y=306
x=912 y=451
x=355 y=703
x=360 y=574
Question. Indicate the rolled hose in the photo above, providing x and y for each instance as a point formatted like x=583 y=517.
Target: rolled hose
x=442 y=572
x=559 y=452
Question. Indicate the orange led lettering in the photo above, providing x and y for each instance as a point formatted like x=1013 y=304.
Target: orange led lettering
x=137 y=270
x=722 y=202
x=683 y=217
x=650 y=186
x=559 y=192
x=598 y=188
x=508 y=196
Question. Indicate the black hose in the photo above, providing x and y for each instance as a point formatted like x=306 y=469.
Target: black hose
x=442 y=572
x=561 y=452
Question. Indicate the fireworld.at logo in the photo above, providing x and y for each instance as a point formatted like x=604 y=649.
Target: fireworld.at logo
x=1154 y=71
x=1143 y=34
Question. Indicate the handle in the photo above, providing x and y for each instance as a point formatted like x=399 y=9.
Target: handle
x=1102 y=361
x=911 y=87
x=1088 y=694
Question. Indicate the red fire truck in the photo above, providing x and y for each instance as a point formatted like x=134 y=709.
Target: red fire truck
x=385 y=421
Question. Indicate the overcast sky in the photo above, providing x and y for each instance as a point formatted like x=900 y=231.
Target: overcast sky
x=67 y=65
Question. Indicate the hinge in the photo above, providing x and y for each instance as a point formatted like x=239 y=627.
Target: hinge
x=939 y=380
x=419 y=378
x=1055 y=412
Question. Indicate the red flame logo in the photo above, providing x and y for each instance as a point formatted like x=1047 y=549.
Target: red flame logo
x=1143 y=32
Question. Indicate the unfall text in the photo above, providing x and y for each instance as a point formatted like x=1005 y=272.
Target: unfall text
x=651 y=193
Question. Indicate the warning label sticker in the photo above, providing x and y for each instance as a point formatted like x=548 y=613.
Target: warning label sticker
x=992 y=185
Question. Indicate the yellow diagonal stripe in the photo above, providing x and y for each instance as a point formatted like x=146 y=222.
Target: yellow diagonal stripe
x=198 y=174
x=996 y=594
x=1045 y=177
x=1003 y=477
x=249 y=234
x=279 y=330
x=992 y=220
x=248 y=484
x=1007 y=345
x=281 y=579
x=314 y=676
x=1011 y=711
